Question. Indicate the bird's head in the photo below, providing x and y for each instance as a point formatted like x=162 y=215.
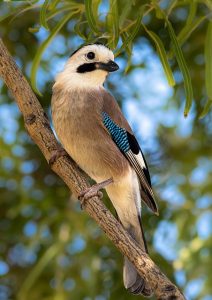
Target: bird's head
x=88 y=67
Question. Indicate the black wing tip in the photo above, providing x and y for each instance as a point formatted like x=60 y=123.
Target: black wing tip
x=154 y=206
x=149 y=201
x=156 y=211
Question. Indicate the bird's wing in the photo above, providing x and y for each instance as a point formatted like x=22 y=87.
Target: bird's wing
x=123 y=137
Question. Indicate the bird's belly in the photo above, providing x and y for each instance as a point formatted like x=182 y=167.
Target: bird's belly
x=89 y=160
x=86 y=154
x=90 y=147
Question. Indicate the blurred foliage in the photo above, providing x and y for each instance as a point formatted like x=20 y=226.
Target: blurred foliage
x=49 y=248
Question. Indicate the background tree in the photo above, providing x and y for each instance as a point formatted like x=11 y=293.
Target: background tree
x=49 y=248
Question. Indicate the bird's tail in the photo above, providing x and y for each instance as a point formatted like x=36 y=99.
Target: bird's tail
x=126 y=198
x=133 y=282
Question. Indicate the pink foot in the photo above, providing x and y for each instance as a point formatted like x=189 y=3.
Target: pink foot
x=94 y=190
x=57 y=154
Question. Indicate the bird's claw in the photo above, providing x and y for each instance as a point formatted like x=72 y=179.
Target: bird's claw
x=57 y=154
x=93 y=191
x=89 y=193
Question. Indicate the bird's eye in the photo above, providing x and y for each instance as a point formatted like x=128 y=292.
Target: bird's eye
x=91 y=55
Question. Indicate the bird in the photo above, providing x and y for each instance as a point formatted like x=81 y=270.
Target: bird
x=93 y=131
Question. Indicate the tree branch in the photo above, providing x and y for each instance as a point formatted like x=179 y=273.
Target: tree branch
x=39 y=129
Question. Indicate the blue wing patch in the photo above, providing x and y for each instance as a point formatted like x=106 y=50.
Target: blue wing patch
x=128 y=144
x=118 y=134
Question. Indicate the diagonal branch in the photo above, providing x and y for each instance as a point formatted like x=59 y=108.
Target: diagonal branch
x=39 y=129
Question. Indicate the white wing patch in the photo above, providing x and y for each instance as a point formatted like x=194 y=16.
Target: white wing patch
x=140 y=159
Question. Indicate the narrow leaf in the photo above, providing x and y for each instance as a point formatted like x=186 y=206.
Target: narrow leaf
x=21 y=10
x=7 y=15
x=33 y=29
x=56 y=12
x=43 y=12
x=43 y=46
x=206 y=109
x=162 y=54
x=128 y=48
x=208 y=60
x=95 y=7
x=126 y=7
x=183 y=67
x=78 y=30
x=131 y=35
x=53 y=4
x=187 y=30
x=90 y=16
x=192 y=12
x=113 y=24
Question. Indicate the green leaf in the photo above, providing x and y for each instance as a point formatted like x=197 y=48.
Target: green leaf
x=208 y=60
x=95 y=7
x=129 y=63
x=70 y=6
x=78 y=30
x=183 y=67
x=158 y=12
x=206 y=109
x=162 y=54
x=128 y=48
x=19 y=10
x=7 y=15
x=192 y=12
x=34 y=29
x=44 y=45
x=132 y=35
x=43 y=12
x=171 y=6
x=188 y=29
x=126 y=7
x=113 y=24
x=53 y=4
x=90 y=16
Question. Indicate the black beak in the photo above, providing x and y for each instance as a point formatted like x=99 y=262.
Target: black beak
x=110 y=66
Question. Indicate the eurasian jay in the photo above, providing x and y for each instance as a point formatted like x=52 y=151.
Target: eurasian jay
x=94 y=132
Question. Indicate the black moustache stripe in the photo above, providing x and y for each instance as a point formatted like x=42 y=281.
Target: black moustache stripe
x=86 y=68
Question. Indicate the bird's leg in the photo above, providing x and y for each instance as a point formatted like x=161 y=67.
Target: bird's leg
x=56 y=154
x=94 y=190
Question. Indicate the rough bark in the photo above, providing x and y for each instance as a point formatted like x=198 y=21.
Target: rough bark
x=38 y=127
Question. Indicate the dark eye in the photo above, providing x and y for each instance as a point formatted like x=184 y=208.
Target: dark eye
x=91 y=55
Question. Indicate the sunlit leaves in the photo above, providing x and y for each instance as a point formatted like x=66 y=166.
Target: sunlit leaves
x=118 y=24
x=128 y=38
x=44 y=45
x=43 y=12
x=125 y=9
x=90 y=17
x=162 y=54
x=208 y=61
x=187 y=30
x=208 y=70
x=113 y=24
x=206 y=108
x=183 y=67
